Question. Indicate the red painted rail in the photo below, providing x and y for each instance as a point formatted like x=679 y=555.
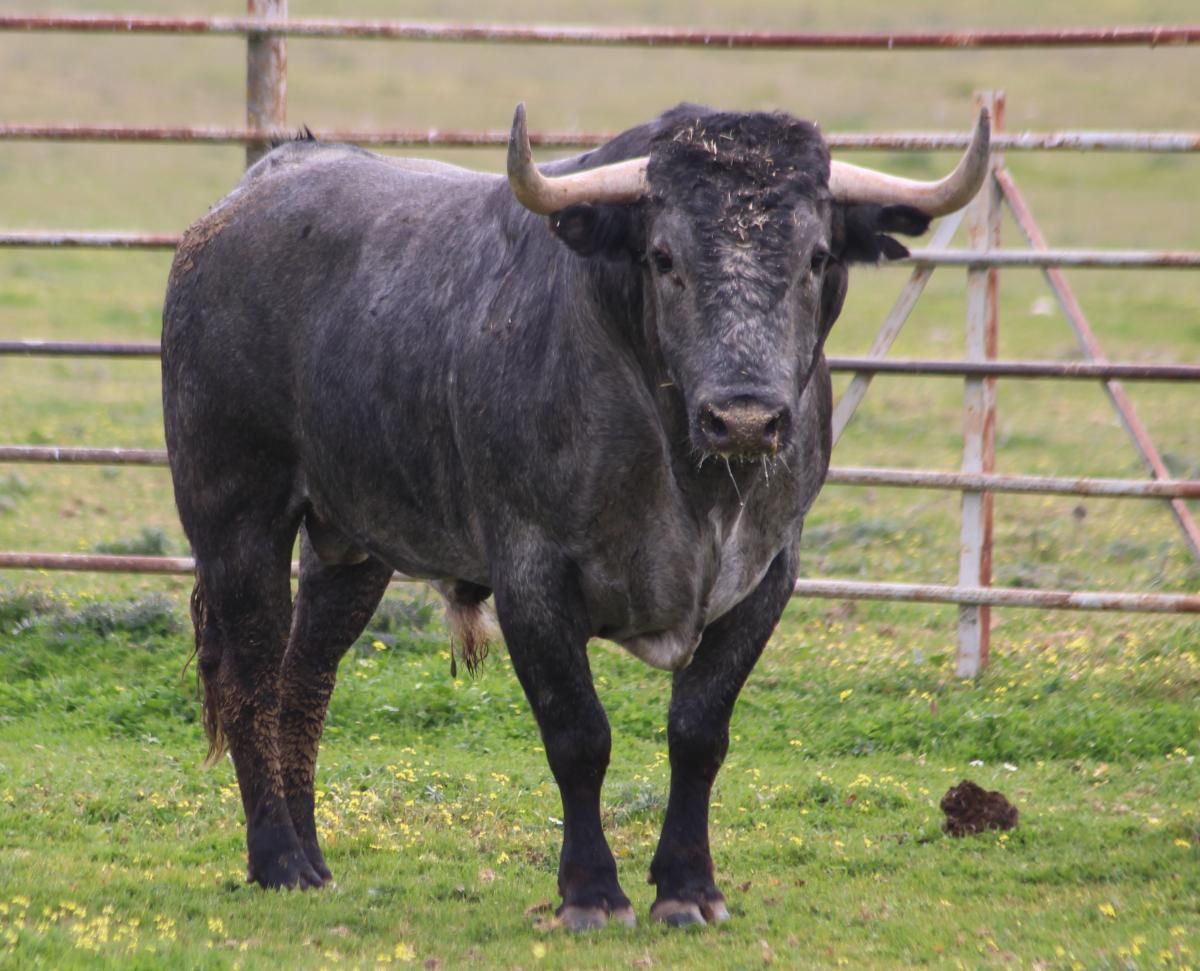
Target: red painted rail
x=1070 y=141
x=1147 y=36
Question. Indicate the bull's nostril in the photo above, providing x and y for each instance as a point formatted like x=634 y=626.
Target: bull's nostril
x=714 y=425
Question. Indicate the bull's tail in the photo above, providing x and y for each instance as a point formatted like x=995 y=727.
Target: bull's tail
x=206 y=674
x=472 y=630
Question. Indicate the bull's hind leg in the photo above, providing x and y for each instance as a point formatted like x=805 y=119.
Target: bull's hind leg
x=702 y=701
x=243 y=611
x=333 y=605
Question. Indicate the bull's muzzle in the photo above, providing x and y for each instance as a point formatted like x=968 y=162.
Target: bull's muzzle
x=744 y=426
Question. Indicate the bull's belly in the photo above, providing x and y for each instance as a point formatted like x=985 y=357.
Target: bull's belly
x=412 y=548
x=668 y=650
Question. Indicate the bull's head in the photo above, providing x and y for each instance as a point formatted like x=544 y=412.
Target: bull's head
x=743 y=229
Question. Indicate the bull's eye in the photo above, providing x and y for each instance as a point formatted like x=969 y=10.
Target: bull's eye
x=660 y=256
x=819 y=260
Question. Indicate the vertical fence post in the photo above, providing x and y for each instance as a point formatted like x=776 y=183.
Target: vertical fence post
x=979 y=409
x=266 y=77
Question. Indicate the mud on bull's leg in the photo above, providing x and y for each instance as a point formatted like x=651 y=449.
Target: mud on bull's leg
x=702 y=700
x=333 y=606
x=245 y=621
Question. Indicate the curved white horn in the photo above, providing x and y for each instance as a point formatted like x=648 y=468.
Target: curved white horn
x=616 y=183
x=851 y=183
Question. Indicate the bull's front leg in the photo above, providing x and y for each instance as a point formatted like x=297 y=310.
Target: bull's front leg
x=702 y=700
x=542 y=616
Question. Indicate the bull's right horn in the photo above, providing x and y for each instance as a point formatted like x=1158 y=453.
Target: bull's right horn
x=616 y=183
x=851 y=183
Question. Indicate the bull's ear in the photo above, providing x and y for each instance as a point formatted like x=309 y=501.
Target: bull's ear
x=602 y=230
x=866 y=227
x=834 y=284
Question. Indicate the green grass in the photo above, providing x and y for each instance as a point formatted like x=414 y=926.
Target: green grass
x=116 y=849
x=439 y=814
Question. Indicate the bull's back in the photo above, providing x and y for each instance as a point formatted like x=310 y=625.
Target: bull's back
x=288 y=327
x=282 y=268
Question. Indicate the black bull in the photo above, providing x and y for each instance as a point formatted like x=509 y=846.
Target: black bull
x=614 y=427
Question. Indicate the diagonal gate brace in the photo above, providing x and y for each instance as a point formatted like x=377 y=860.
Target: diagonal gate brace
x=1093 y=351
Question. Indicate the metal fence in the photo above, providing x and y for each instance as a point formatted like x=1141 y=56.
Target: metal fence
x=266 y=31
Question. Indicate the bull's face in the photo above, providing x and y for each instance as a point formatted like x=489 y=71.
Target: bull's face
x=742 y=230
x=740 y=279
x=736 y=305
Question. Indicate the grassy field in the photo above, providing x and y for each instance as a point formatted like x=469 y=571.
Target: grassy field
x=117 y=849
x=440 y=817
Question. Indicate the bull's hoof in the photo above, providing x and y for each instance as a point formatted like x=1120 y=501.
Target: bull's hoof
x=677 y=913
x=317 y=861
x=576 y=918
x=285 y=871
x=689 y=913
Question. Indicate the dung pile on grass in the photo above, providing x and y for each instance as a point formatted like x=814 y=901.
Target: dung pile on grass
x=969 y=808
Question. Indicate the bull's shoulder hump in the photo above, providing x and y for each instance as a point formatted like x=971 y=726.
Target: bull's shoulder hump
x=305 y=160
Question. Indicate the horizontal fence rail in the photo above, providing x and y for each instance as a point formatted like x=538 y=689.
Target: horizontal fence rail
x=1079 y=259
x=1150 y=36
x=97 y=563
x=40 y=348
x=1032 y=259
x=991 y=482
x=1064 y=141
x=82 y=455
x=1077 y=370
x=55 y=239
x=1159 y=603
x=903 y=478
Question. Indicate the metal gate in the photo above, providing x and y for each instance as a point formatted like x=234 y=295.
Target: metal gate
x=266 y=30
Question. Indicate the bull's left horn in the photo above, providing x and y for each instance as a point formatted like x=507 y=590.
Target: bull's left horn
x=851 y=183
x=616 y=183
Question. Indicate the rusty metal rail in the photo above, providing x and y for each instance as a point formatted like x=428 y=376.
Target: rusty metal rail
x=1029 y=259
x=1068 y=141
x=1076 y=370
x=849 y=475
x=1032 y=370
x=82 y=455
x=39 y=348
x=57 y=239
x=97 y=563
x=1078 y=259
x=1026 y=484
x=1148 y=36
x=1159 y=603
